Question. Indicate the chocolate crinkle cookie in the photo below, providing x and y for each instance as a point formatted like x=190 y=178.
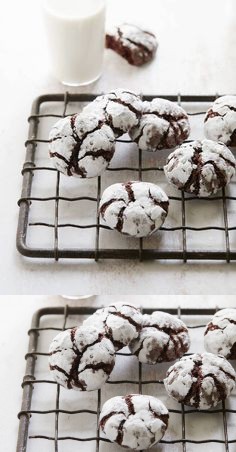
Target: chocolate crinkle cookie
x=163 y=125
x=120 y=109
x=134 y=421
x=200 y=167
x=220 y=120
x=81 y=145
x=162 y=338
x=137 y=46
x=200 y=380
x=81 y=358
x=120 y=322
x=220 y=334
x=134 y=208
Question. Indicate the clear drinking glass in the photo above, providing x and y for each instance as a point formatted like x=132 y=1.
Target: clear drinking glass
x=76 y=34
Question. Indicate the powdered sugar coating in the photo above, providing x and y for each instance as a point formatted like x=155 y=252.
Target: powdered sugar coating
x=120 y=109
x=220 y=334
x=200 y=380
x=81 y=358
x=134 y=208
x=134 y=421
x=81 y=145
x=136 y=45
x=163 y=124
x=163 y=337
x=120 y=322
x=220 y=120
x=200 y=167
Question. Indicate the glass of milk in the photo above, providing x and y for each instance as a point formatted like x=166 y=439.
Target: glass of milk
x=76 y=36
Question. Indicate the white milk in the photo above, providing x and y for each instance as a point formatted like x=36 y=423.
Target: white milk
x=76 y=34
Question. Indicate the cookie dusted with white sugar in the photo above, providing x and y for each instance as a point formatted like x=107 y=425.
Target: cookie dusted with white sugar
x=134 y=208
x=120 y=322
x=220 y=334
x=81 y=358
x=163 y=125
x=220 y=120
x=200 y=167
x=120 y=109
x=200 y=380
x=81 y=145
x=162 y=338
x=136 y=45
x=134 y=421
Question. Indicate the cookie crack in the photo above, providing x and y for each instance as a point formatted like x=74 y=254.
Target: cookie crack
x=59 y=156
x=128 y=188
x=107 y=155
x=229 y=163
x=141 y=46
x=74 y=158
x=212 y=327
x=167 y=117
x=106 y=204
x=230 y=376
x=219 y=173
x=136 y=352
x=163 y=204
x=163 y=417
x=194 y=391
x=59 y=369
x=55 y=139
x=105 y=418
x=219 y=386
x=117 y=344
x=120 y=219
x=106 y=367
x=166 y=329
x=211 y=114
x=194 y=178
x=125 y=104
x=128 y=105
x=120 y=434
x=130 y=320
x=231 y=321
x=130 y=405
x=230 y=107
x=74 y=373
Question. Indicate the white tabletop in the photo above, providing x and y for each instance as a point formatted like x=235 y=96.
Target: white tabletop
x=196 y=55
x=15 y=320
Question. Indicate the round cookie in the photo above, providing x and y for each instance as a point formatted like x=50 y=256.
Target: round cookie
x=81 y=145
x=134 y=421
x=200 y=167
x=163 y=338
x=120 y=109
x=220 y=120
x=220 y=334
x=163 y=125
x=120 y=322
x=137 y=46
x=134 y=208
x=200 y=380
x=81 y=358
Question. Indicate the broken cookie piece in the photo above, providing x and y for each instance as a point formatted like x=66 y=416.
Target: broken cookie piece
x=137 y=46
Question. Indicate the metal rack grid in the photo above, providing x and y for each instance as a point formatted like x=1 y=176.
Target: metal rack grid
x=30 y=379
x=138 y=251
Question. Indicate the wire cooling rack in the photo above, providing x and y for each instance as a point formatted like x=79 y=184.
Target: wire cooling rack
x=59 y=218
x=60 y=420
